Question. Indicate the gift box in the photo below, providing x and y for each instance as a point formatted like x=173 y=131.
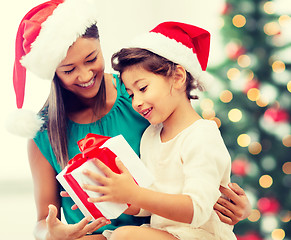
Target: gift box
x=106 y=149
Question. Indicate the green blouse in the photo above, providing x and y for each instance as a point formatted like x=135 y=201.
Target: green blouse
x=121 y=119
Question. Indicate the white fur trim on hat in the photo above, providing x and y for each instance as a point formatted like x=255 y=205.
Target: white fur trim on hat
x=68 y=22
x=24 y=123
x=170 y=49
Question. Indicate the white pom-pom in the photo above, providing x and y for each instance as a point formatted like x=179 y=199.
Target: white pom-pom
x=24 y=123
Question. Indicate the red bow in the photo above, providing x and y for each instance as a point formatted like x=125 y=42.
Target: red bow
x=90 y=148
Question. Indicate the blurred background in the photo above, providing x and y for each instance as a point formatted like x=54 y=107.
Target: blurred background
x=248 y=95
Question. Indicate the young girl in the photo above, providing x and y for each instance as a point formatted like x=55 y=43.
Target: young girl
x=185 y=153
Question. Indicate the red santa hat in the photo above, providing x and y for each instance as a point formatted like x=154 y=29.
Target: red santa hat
x=181 y=43
x=44 y=36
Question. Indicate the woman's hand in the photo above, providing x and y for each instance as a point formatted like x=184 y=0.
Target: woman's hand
x=119 y=188
x=60 y=231
x=234 y=210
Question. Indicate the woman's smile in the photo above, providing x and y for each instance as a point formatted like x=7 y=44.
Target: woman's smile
x=89 y=84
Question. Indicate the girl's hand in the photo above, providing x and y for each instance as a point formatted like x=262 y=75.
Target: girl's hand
x=119 y=188
x=234 y=210
x=65 y=194
x=60 y=231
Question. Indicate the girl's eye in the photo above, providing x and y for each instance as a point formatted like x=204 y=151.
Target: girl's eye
x=92 y=60
x=70 y=71
x=143 y=89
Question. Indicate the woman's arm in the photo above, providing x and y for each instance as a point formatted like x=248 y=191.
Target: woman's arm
x=47 y=199
x=121 y=188
x=234 y=210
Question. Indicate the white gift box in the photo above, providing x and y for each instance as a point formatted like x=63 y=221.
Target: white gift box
x=119 y=146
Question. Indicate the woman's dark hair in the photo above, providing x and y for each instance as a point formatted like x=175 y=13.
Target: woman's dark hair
x=151 y=62
x=60 y=103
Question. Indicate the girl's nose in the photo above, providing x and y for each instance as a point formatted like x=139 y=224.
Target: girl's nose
x=136 y=102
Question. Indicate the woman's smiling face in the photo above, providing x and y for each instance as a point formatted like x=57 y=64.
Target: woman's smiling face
x=82 y=70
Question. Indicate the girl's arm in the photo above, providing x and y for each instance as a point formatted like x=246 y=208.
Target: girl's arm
x=121 y=188
x=47 y=199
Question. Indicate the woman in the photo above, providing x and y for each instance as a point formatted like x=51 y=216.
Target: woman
x=83 y=99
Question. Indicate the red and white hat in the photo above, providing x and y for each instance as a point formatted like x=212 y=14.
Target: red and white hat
x=181 y=43
x=44 y=36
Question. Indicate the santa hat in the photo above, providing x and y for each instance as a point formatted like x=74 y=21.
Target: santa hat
x=181 y=43
x=44 y=36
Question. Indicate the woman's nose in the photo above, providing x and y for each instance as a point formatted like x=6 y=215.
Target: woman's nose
x=85 y=75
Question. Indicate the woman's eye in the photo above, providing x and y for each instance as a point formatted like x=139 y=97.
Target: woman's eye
x=143 y=89
x=70 y=71
x=92 y=60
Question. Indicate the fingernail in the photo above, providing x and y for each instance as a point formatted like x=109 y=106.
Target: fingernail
x=85 y=171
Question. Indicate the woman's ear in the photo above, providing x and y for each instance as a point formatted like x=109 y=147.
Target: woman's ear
x=179 y=77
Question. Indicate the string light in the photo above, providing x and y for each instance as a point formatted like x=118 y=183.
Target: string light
x=255 y=148
x=239 y=21
x=287 y=167
x=284 y=19
x=255 y=215
x=226 y=96
x=253 y=94
x=278 y=234
x=244 y=140
x=206 y=104
x=272 y=28
x=217 y=120
x=286 y=217
x=278 y=66
x=233 y=74
x=289 y=86
x=262 y=102
x=208 y=114
x=244 y=61
x=269 y=7
x=287 y=141
x=266 y=181
x=235 y=115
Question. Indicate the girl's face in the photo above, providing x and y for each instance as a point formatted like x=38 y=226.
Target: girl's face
x=82 y=70
x=152 y=95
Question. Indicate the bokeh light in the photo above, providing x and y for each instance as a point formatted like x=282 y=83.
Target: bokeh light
x=244 y=140
x=266 y=181
x=289 y=86
x=272 y=28
x=278 y=234
x=206 y=104
x=253 y=94
x=287 y=167
x=233 y=74
x=244 y=61
x=287 y=141
x=226 y=96
x=235 y=115
x=278 y=66
x=269 y=7
x=255 y=215
x=217 y=120
x=239 y=21
x=255 y=148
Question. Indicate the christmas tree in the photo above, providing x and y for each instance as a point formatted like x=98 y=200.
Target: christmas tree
x=251 y=103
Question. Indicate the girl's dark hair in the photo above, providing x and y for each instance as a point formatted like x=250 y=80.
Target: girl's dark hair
x=60 y=103
x=151 y=62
